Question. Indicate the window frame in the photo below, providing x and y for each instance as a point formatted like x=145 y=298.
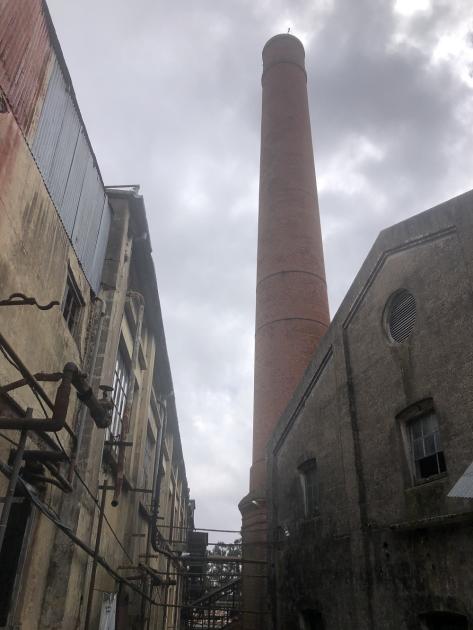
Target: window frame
x=149 y=451
x=412 y=414
x=309 y=477
x=422 y=442
x=72 y=289
x=121 y=377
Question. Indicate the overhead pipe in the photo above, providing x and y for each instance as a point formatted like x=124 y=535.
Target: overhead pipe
x=29 y=378
x=71 y=375
x=60 y=406
x=129 y=399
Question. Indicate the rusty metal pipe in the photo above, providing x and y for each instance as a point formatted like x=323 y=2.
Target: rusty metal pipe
x=86 y=395
x=25 y=372
x=42 y=456
x=61 y=403
x=71 y=375
x=52 y=481
x=66 y=486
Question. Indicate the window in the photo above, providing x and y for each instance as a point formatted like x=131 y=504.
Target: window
x=148 y=459
x=16 y=538
x=311 y=620
x=72 y=303
x=121 y=380
x=426 y=447
x=310 y=487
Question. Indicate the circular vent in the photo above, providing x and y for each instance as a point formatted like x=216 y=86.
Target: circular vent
x=401 y=315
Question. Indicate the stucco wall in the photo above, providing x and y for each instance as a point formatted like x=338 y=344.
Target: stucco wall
x=35 y=253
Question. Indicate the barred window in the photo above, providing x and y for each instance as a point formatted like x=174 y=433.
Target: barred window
x=426 y=446
x=121 y=380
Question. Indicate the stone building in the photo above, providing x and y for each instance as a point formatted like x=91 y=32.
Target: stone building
x=361 y=428
x=99 y=513
x=364 y=534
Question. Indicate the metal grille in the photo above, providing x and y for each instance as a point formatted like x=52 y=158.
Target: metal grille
x=402 y=316
x=121 y=379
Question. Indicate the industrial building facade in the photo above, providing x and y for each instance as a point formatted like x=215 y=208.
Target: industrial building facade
x=356 y=517
x=95 y=501
x=376 y=435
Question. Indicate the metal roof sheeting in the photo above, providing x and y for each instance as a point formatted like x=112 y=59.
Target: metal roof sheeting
x=89 y=215
x=64 y=154
x=463 y=489
x=59 y=143
x=50 y=124
x=70 y=200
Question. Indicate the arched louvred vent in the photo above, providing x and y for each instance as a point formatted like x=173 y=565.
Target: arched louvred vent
x=402 y=313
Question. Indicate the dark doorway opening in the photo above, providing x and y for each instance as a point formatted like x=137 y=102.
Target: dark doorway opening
x=443 y=621
x=10 y=556
x=311 y=620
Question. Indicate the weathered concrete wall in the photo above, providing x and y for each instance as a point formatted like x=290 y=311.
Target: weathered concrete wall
x=35 y=253
x=383 y=548
x=130 y=520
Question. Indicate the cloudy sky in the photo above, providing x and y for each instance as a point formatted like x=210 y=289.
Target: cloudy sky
x=170 y=93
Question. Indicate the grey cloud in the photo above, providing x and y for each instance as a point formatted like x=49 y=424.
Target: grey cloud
x=170 y=93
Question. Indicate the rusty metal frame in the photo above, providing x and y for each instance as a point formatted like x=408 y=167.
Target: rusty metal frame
x=71 y=376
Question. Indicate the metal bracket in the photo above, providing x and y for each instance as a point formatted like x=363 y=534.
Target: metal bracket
x=20 y=299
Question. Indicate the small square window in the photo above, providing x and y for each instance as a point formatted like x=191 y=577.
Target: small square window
x=72 y=303
x=426 y=447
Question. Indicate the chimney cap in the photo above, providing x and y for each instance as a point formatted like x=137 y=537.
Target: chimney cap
x=283 y=48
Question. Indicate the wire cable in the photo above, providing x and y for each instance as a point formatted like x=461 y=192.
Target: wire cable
x=5 y=437
x=92 y=496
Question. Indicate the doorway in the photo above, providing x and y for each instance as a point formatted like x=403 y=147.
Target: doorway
x=310 y=619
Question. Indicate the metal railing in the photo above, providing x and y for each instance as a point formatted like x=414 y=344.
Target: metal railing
x=217 y=609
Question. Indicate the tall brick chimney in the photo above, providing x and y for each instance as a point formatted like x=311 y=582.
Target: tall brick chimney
x=291 y=296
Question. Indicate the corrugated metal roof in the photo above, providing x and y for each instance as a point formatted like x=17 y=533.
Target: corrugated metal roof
x=25 y=52
x=47 y=135
x=88 y=212
x=75 y=180
x=64 y=154
x=463 y=489
x=59 y=142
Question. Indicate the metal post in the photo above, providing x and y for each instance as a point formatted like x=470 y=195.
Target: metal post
x=170 y=540
x=96 y=553
x=12 y=483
